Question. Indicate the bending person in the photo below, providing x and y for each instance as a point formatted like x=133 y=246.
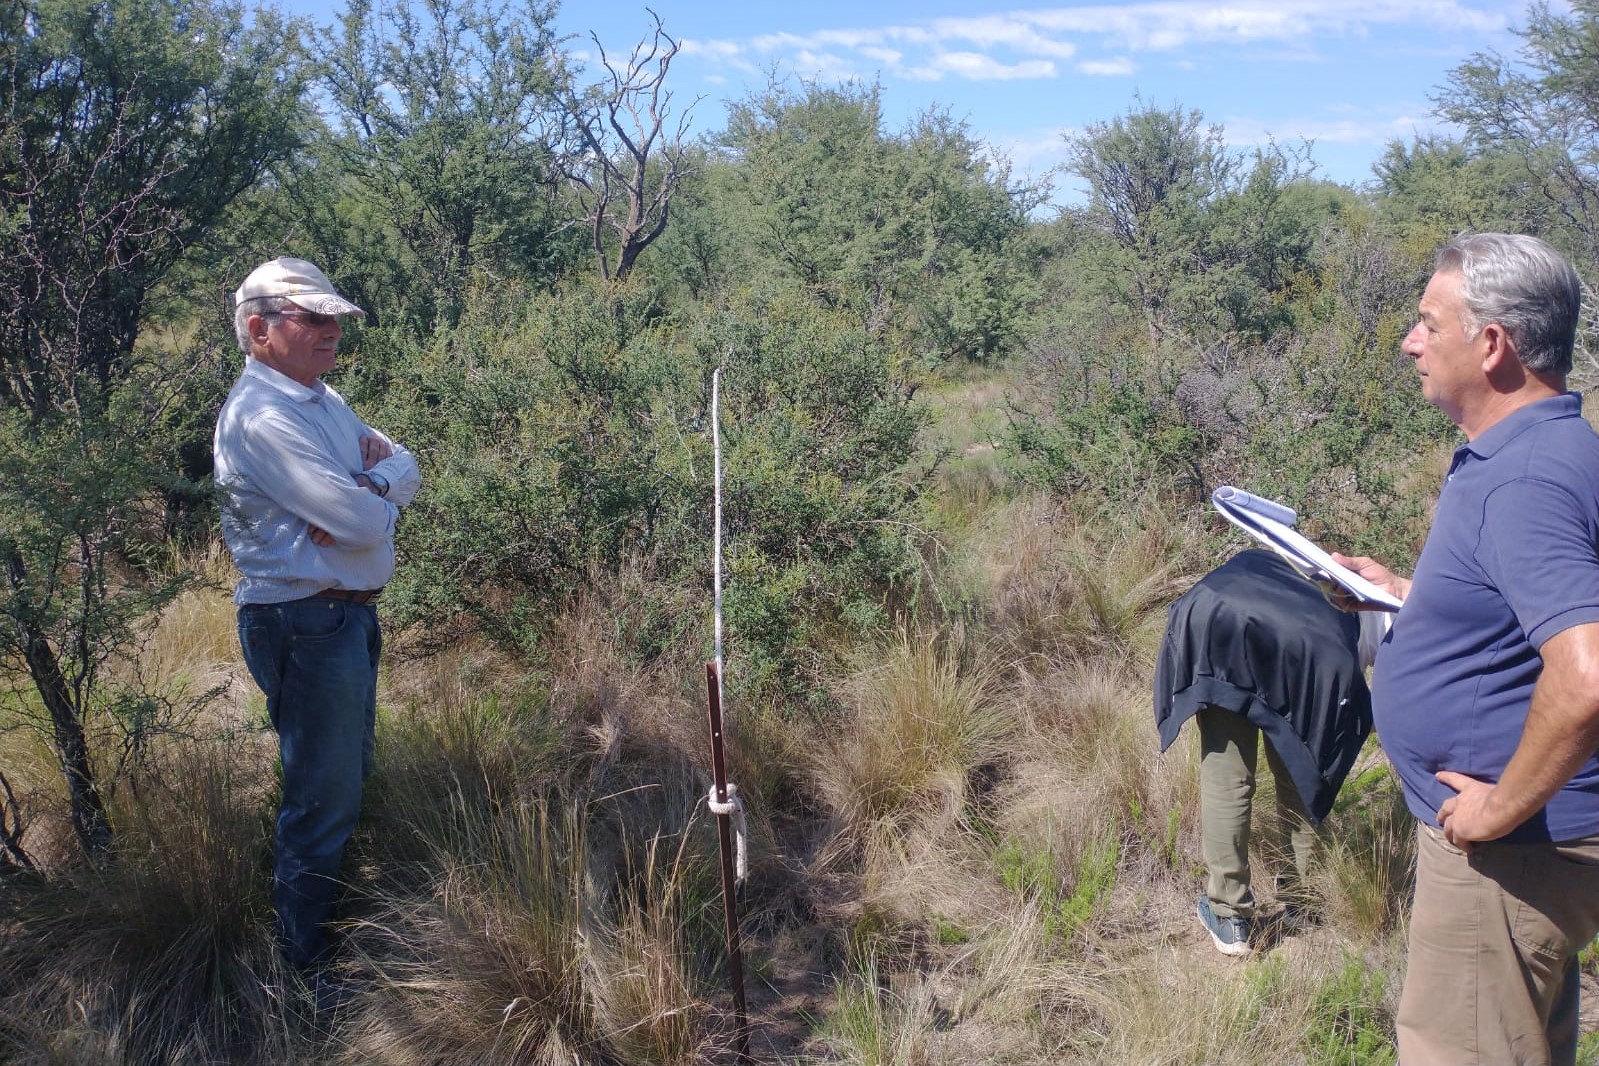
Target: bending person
x=1254 y=649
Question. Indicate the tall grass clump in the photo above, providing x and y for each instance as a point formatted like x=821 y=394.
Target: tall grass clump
x=639 y=965
x=539 y=929
x=1007 y=565
x=1149 y=1005
x=880 y=1019
x=1061 y=585
x=162 y=952
x=539 y=879
x=438 y=763
x=1090 y=766
x=1370 y=860
x=918 y=724
x=488 y=966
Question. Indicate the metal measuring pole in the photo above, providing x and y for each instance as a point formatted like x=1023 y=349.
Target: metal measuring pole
x=724 y=834
x=723 y=794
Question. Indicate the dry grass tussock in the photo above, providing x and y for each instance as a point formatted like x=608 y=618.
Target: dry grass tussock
x=1370 y=855
x=533 y=879
x=882 y=1018
x=1089 y=770
x=527 y=949
x=1029 y=899
x=566 y=900
x=1152 y=1004
x=1060 y=587
x=921 y=722
x=162 y=952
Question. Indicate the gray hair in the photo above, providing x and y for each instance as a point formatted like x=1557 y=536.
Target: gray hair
x=1526 y=287
x=261 y=305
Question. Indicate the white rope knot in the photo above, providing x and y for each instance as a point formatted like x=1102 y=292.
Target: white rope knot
x=735 y=807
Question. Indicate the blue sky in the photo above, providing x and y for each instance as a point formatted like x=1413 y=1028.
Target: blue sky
x=1349 y=75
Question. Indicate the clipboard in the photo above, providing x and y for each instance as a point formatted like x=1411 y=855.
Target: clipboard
x=1272 y=524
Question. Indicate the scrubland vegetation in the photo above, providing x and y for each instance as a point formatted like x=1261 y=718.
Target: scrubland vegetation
x=969 y=443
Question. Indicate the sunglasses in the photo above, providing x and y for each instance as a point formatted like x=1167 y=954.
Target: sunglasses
x=314 y=319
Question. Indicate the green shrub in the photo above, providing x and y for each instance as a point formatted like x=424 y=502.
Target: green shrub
x=565 y=440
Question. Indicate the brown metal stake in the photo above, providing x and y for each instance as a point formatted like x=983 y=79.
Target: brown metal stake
x=724 y=832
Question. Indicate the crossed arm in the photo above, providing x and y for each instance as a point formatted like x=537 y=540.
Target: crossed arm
x=374 y=450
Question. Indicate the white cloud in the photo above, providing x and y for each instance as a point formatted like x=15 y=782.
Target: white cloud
x=1108 y=68
x=824 y=66
x=715 y=48
x=778 y=42
x=1171 y=25
x=1243 y=130
x=1152 y=25
x=728 y=53
x=1015 y=32
x=978 y=67
x=1027 y=43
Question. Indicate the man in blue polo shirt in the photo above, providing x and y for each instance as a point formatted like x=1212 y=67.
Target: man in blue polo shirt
x=1486 y=693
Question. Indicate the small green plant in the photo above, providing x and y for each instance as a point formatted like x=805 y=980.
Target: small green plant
x=874 y=1024
x=1265 y=986
x=1030 y=873
x=1368 y=866
x=1168 y=843
x=948 y=932
x=1096 y=875
x=1588 y=957
x=1025 y=870
x=1348 y=1025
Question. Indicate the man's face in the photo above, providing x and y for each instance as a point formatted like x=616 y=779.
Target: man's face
x=1450 y=365
x=300 y=344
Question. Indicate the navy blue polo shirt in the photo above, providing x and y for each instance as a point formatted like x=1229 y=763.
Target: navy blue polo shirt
x=1512 y=559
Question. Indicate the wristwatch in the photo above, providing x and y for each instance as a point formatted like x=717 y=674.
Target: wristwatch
x=379 y=482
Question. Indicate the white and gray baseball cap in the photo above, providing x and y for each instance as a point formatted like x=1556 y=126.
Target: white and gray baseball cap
x=298 y=280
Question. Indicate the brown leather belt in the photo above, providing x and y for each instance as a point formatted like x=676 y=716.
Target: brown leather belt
x=352 y=595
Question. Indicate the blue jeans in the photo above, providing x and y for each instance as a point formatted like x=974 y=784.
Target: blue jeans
x=317 y=661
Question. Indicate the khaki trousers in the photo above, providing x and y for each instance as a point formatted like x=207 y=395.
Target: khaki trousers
x=1494 y=936
x=1228 y=747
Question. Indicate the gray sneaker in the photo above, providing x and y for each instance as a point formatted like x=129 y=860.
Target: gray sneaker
x=1230 y=934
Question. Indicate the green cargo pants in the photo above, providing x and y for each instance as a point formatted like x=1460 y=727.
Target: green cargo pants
x=1228 y=746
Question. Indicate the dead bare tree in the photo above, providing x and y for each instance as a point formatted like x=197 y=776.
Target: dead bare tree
x=626 y=167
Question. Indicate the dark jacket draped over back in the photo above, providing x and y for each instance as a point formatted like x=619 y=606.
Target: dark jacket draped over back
x=1256 y=638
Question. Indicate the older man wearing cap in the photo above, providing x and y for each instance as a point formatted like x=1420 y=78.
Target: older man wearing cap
x=312 y=494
